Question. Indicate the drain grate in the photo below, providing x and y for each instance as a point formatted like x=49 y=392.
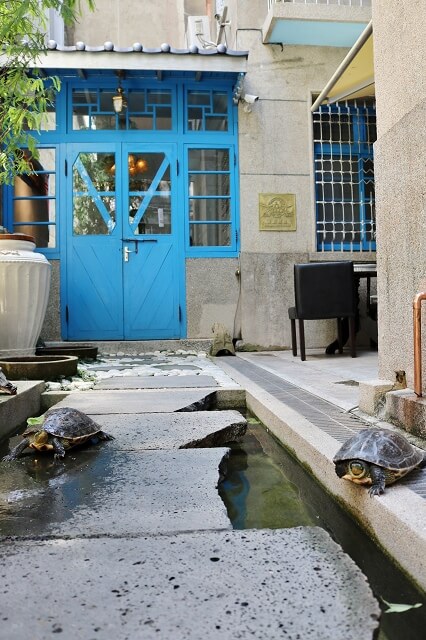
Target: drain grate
x=326 y=416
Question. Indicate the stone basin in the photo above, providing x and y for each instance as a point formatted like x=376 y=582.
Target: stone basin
x=38 y=367
x=85 y=352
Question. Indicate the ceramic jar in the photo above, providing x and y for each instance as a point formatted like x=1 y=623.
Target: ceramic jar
x=24 y=293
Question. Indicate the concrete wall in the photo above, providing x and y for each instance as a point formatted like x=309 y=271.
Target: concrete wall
x=124 y=22
x=212 y=295
x=400 y=168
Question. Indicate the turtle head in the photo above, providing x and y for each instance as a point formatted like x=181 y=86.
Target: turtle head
x=40 y=441
x=355 y=470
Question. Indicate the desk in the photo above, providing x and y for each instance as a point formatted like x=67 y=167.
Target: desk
x=366 y=270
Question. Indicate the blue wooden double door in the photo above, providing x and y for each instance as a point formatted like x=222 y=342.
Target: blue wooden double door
x=124 y=266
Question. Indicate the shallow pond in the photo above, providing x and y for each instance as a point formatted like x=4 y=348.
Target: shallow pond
x=266 y=487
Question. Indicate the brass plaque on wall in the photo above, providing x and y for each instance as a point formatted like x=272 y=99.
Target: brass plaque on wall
x=277 y=212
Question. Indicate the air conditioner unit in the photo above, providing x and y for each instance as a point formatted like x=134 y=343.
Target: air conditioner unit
x=198 y=32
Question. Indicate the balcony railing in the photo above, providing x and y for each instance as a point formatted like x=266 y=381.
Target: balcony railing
x=347 y=3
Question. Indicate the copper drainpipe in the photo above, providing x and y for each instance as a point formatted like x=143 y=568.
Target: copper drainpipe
x=417 y=334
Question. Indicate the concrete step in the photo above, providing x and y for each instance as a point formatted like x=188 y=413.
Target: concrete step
x=14 y=410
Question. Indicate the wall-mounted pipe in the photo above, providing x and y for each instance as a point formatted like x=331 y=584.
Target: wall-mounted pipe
x=417 y=335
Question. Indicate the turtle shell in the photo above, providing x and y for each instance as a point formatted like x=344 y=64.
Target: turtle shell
x=382 y=447
x=68 y=423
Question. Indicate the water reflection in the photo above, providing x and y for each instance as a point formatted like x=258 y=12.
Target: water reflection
x=257 y=493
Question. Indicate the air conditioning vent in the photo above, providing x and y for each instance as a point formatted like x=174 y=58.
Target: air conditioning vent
x=198 y=32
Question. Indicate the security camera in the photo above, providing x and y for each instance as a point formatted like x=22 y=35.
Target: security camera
x=249 y=98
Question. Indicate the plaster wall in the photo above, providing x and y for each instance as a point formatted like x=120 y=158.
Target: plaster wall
x=399 y=59
x=400 y=170
x=122 y=22
x=401 y=222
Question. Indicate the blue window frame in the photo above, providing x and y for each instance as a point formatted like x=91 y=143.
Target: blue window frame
x=211 y=200
x=146 y=109
x=208 y=110
x=344 y=177
x=31 y=204
x=199 y=118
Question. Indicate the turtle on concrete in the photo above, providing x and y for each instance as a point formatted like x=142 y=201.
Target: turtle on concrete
x=6 y=386
x=60 y=430
x=377 y=457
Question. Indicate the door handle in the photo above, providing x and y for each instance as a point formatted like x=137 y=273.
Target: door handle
x=126 y=252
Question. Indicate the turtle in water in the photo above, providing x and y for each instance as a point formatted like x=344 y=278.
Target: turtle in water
x=60 y=430
x=377 y=457
x=6 y=386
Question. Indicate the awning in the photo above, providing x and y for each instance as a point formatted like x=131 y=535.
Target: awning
x=354 y=78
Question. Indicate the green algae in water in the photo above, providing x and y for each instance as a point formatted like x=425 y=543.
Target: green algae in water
x=257 y=493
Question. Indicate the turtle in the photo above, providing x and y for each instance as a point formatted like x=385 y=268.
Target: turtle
x=377 y=457
x=61 y=429
x=6 y=386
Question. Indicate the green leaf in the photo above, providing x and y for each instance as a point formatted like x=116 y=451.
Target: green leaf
x=33 y=421
x=253 y=421
x=400 y=608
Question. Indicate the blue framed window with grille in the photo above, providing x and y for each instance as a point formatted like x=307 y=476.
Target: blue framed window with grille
x=344 y=134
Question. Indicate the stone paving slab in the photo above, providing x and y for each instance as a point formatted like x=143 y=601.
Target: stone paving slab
x=274 y=584
x=103 y=491
x=143 y=401
x=157 y=382
x=174 y=430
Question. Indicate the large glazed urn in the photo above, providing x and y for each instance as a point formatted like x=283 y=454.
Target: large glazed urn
x=24 y=293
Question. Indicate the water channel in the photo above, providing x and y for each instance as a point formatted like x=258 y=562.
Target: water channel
x=266 y=487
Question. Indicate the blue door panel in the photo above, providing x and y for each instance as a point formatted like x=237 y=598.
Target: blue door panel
x=151 y=293
x=94 y=291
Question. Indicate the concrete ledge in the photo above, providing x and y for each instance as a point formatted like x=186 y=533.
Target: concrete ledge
x=406 y=410
x=14 y=410
x=372 y=395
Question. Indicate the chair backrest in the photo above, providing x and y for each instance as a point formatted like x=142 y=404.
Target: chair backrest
x=325 y=290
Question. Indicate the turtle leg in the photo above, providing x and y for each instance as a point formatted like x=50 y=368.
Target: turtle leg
x=378 y=477
x=104 y=436
x=16 y=451
x=59 y=448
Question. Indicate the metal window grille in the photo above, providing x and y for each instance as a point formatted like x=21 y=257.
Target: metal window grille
x=344 y=176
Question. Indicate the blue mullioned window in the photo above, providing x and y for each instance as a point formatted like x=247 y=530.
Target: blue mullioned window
x=344 y=134
x=198 y=118
x=31 y=204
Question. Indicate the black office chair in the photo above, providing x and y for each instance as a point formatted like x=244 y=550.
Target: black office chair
x=324 y=290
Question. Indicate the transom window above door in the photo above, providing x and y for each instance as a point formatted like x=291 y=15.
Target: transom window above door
x=146 y=110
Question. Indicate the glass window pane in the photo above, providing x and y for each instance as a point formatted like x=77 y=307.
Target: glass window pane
x=210 y=235
x=206 y=184
x=87 y=219
x=49 y=119
x=212 y=209
x=157 y=216
x=145 y=173
x=209 y=160
x=215 y=123
x=199 y=98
